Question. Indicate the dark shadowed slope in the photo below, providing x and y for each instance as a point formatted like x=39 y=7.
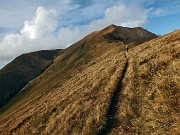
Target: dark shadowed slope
x=15 y=75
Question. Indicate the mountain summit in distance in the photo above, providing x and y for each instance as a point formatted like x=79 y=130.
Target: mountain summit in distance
x=96 y=87
x=126 y=35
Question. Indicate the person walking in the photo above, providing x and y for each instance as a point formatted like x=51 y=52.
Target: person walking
x=127 y=48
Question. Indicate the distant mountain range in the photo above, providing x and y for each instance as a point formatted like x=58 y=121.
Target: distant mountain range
x=95 y=86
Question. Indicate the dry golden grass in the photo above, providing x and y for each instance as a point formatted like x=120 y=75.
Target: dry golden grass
x=150 y=98
x=78 y=105
x=73 y=96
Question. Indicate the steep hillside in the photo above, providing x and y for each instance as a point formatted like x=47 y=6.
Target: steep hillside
x=150 y=97
x=94 y=87
x=15 y=75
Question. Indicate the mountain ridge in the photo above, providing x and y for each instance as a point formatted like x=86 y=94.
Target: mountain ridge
x=76 y=93
x=115 y=33
x=15 y=75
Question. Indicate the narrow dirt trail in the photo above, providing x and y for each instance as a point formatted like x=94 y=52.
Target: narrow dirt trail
x=112 y=111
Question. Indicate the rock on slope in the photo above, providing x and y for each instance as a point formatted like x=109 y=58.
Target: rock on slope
x=15 y=75
x=76 y=94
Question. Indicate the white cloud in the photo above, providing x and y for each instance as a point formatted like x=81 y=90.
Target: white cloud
x=42 y=24
x=126 y=15
x=13 y=13
x=122 y=15
x=42 y=32
x=159 y=11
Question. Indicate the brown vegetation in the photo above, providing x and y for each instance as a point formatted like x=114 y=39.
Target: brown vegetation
x=76 y=94
x=149 y=102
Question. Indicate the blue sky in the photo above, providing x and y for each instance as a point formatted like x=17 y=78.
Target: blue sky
x=77 y=12
x=31 y=25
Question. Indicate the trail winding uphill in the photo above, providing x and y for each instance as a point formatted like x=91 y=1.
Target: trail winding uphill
x=94 y=88
x=112 y=121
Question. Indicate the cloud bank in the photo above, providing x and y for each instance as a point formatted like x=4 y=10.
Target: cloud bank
x=43 y=31
x=40 y=33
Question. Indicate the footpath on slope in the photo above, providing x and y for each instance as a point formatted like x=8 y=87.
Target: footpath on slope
x=112 y=111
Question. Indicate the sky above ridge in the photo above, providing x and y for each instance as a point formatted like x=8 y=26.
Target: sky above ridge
x=31 y=25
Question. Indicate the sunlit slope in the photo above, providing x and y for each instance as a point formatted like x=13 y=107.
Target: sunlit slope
x=75 y=94
x=149 y=100
x=73 y=102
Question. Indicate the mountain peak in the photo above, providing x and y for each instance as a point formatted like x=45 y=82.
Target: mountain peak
x=126 y=35
x=112 y=26
x=96 y=87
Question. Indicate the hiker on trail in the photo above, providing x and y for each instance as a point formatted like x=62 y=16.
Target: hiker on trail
x=127 y=48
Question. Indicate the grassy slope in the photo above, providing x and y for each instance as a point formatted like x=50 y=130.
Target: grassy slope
x=15 y=75
x=74 y=94
x=149 y=101
x=57 y=100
